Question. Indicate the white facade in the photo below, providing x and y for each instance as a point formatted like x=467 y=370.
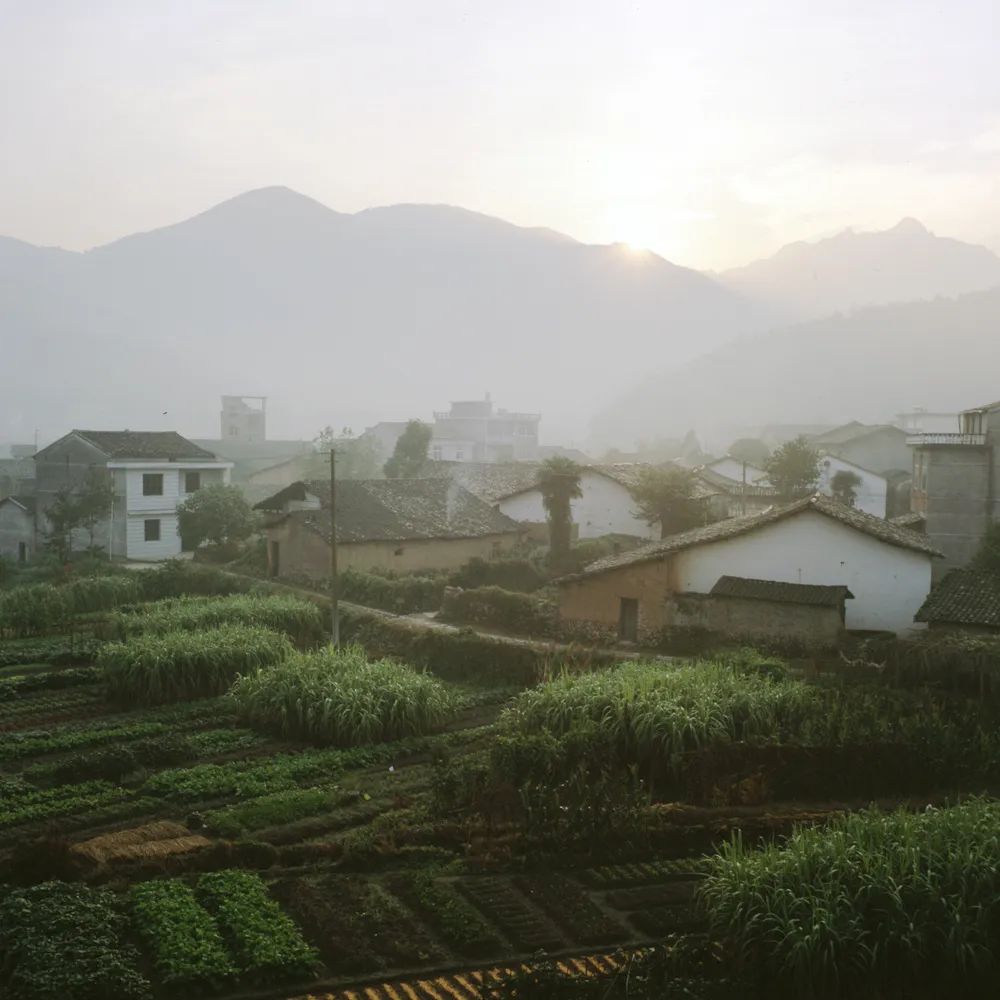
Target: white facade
x=732 y=468
x=889 y=583
x=147 y=495
x=606 y=508
x=870 y=495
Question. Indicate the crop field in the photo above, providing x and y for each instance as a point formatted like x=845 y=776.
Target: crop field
x=199 y=801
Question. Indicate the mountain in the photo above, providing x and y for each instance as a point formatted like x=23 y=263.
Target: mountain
x=853 y=270
x=867 y=366
x=339 y=318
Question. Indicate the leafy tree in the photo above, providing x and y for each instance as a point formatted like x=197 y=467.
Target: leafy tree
x=559 y=482
x=357 y=457
x=411 y=451
x=85 y=506
x=793 y=469
x=666 y=496
x=753 y=451
x=844 y=486
x=987 y=558
x=217 y=514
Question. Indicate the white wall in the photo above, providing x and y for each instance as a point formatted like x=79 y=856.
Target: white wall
x=870 y=496
x=605 y=508
x=889 y=583
x=733 y=469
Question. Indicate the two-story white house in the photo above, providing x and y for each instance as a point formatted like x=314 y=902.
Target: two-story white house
x=150 y=472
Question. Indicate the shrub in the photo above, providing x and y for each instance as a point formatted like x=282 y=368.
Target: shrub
x=400 y=594
x=301 y=620
x=493 y=606
x=177 y=666
x=872 y=904
x=32 y=610
x=180 y=578
x=102 y=593
x=65 y=941
x=262 y=938
x=510 y=574
x=340 y=697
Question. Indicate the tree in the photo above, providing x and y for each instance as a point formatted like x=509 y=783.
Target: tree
x=357 y=457
x=793 y=469
x=666 y=496
x=559 y=482
x=987 y=558
x=410 y=452
x=753 y=451
x=844 y=486
x=85 y=506
x=217 y=514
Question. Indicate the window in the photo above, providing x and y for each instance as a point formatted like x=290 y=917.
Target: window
x=151 y=530
x=459 y=456
x=436 y=454
x=152 y=484
x=192 y=482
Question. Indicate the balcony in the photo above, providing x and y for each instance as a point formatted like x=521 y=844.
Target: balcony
x=947 y=440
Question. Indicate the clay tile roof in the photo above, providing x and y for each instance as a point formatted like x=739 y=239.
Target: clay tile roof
x=395 y=510
x=915 y=520
x=731 y=527
x=963 y=597
x=785 y=593
x=153 y=445
x=717 y=482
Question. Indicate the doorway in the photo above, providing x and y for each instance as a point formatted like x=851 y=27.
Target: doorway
x=274 y=562
x=628 y=619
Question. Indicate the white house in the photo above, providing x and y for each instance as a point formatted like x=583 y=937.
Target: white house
x=737 y=470
x=150 y=472
x=814 y=541
x=607 y=506
x=870 y=495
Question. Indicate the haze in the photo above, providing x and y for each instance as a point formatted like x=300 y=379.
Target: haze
x=711 y=133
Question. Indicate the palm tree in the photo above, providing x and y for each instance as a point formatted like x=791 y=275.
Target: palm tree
x=559 y=481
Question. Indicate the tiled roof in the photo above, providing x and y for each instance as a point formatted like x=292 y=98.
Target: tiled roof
x=915 y=520
x=396 y=510
x=492 y=482
x=785 y=593
x=851 y=432
x=25 y=503
x=963 y=597
x=717 y=482
x=731 y=527
x=153 y=445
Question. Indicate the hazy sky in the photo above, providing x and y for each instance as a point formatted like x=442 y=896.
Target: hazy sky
x=710 y=132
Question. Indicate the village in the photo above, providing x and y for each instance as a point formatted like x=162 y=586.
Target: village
x=804 y=540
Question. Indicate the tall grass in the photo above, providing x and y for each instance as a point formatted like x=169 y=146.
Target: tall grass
x=35 y=609
x=177 y=666
x=872 y=905
x=339 y=697
x=301 y=620
x=102 y=593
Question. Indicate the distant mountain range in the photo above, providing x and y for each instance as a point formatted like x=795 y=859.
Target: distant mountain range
x=389 y=312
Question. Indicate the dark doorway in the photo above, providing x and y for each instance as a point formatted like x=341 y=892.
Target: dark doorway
x=274 y=563
x=628 y=619
x=22 y=552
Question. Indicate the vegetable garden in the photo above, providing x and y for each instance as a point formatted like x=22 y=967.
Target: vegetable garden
x=196 y=800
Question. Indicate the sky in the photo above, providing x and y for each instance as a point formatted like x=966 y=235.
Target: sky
x=712 y=133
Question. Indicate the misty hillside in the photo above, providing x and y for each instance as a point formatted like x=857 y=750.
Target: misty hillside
x=943 y=355
x=339 y=318
x=854 y=270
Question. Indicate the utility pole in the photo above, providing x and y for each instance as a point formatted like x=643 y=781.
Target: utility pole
x=334 y=588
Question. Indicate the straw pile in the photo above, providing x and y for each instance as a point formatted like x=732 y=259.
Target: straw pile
x=153 y=840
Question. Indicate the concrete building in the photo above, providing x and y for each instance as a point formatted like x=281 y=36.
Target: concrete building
x=476 y=431
x=243 y=419
x=813 y=541
x=956 y=484
x=404 y=525
x=18 y=535
x=150 y=472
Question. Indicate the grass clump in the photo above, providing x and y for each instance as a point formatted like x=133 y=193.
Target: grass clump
x=873 y=904
x=300 y=620
x=337 y=696
x=155 y=668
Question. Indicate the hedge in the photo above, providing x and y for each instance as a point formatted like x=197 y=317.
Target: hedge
x=402 y=595
x=499 y=608
x=511 y=574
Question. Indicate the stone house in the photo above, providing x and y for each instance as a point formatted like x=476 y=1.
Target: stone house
x=150 y=472
x=814 y=541
x=18 y=536
x=965 y=599
x=956 y=484
x=404 y=525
